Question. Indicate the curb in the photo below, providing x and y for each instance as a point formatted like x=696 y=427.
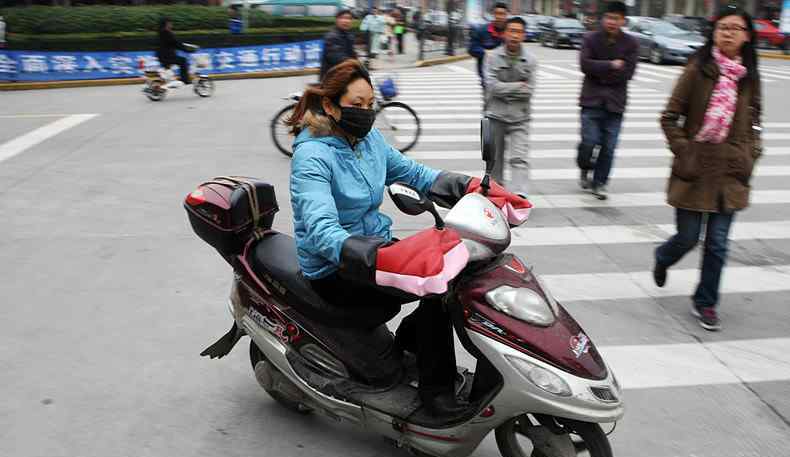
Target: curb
x=771 y=55
x=139 y=80
x=441 y=60
x=225 y=76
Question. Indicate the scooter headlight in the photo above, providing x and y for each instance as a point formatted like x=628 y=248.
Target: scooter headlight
x=522 y=303
x=541 y=377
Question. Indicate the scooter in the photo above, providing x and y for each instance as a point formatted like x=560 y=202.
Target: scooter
x=158 y=81
x=539 y=381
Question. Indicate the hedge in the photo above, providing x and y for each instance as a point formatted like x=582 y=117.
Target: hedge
x=140 y=41
x=113 y=19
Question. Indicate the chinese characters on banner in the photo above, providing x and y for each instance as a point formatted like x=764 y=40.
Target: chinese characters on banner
x=52 y=66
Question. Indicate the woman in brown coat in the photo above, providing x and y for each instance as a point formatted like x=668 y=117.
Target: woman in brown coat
x=715 y=149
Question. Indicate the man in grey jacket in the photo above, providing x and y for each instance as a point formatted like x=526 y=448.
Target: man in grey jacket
x=510 y=82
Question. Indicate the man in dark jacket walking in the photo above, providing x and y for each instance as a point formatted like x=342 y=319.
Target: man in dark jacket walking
x=608 y=60
x=486 y=37
x=338 y=42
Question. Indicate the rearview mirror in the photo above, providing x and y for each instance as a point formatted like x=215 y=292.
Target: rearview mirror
x=407 y=199
x=410 y=201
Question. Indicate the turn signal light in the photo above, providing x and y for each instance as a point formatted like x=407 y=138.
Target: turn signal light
x=488 y=412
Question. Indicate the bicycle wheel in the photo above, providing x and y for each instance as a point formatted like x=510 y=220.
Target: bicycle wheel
x=281 y=135
x=399 y=124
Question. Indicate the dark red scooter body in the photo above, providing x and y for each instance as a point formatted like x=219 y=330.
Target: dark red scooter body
x=563 y=344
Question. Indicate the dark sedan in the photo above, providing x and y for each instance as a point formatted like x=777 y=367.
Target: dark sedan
x=532 y=33
x=563 y=32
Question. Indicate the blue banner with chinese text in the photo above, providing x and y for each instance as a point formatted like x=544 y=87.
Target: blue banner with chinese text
x=54 y=66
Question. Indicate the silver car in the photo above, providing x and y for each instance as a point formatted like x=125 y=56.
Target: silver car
x=660 y=41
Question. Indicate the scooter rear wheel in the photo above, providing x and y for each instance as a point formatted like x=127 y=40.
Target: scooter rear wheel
x=593 y=439
x=256 y=357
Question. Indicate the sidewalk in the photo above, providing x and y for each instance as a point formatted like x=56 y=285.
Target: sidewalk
x=409 y=59
x=434 y=55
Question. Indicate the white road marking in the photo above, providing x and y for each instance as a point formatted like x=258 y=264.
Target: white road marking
x=557 y=137
x=24 y=142
x=640 y=199
x=695 y=364
x=565 y=97
x=775 y=74
x=682 y=282
x=564 y=153
x=442 y=105
x=535 y=126
x=626 y=234
x=546 y=174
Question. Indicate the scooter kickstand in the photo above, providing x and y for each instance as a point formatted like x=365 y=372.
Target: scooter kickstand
x=223 y=345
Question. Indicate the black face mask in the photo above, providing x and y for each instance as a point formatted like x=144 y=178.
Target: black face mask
x=357 y=122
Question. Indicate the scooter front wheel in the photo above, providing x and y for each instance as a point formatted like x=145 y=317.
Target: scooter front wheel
x=545 y=443
x=275 y=383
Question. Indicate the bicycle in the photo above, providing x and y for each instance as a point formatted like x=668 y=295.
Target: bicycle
x=397 y=121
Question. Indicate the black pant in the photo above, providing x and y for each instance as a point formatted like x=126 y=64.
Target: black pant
x=400 y=43
x=480 y=72
x=427 y=332
x=183 y=65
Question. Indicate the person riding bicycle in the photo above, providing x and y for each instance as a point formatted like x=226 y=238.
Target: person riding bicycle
x=166 y=53
x=338 y=42
x=340 y=169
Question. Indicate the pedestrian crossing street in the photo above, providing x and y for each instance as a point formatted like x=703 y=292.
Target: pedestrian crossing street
x=596 y=256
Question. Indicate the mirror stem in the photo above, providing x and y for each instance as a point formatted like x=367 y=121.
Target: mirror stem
x=486 y=184
x=438 y=222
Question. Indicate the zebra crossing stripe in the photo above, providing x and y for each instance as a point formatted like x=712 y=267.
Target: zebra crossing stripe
x=565 y=153
x=640 y=199
x=559 y=174
x=556 y=137
x=537 y=116
x=559 y=125
x=674 y=71
x=776 y=74
x=535 y=126
x=637 y=285
x=699 y=364
x=628 y=234
x=569 y=97
x=452 y=107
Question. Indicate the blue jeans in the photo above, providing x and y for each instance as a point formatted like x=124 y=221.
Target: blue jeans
x=601 y=128
x=689 y=224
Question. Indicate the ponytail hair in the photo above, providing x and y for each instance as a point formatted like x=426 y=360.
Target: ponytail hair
x=333 y=86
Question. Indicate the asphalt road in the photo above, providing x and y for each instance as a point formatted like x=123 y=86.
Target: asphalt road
x=108 y=297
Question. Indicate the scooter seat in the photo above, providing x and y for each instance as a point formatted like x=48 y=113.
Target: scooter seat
x=275 y=255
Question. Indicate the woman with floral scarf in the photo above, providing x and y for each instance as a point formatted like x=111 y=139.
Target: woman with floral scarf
x=715 y=149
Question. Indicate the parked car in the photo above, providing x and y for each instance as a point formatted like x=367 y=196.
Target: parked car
x=632 y=21
x=563 y=32
x=533 y=29
x=697 y=24
x=660 y=41
x=767 y=34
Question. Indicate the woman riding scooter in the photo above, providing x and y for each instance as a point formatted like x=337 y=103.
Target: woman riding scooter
x=168 y=44
x=340 y=168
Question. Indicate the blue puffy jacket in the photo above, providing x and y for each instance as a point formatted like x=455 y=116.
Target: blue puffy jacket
x=336 y=193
